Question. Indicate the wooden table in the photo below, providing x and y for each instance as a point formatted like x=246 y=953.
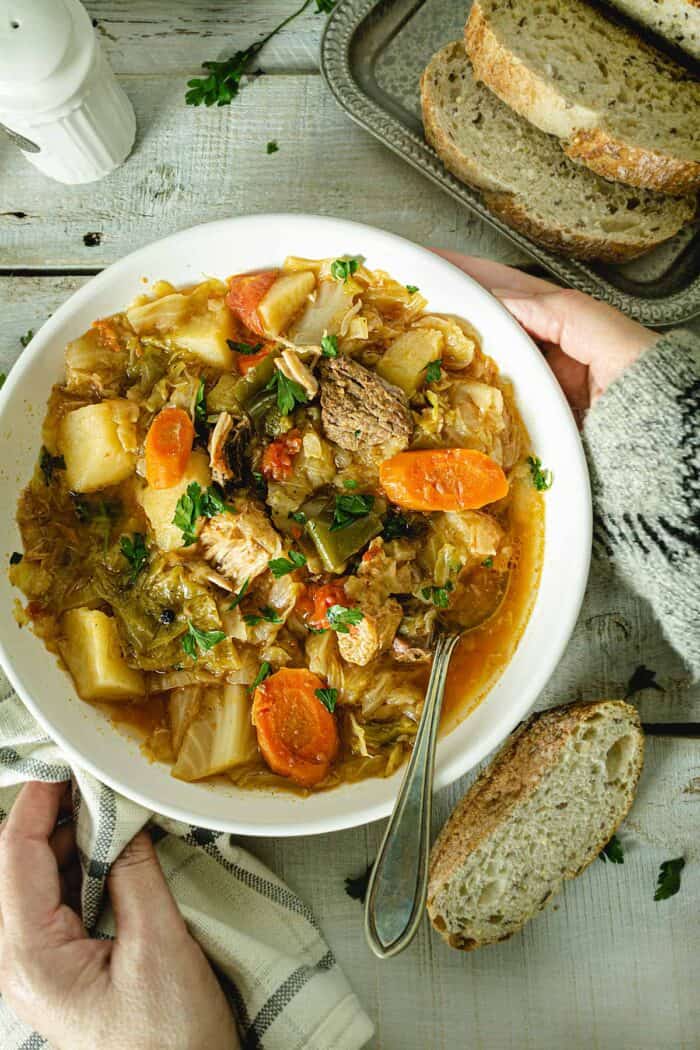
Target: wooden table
x=606 y=967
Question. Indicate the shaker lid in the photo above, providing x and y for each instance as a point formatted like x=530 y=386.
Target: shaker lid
x=34 y=38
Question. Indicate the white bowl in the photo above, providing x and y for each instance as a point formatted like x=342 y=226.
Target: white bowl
x=219 y=249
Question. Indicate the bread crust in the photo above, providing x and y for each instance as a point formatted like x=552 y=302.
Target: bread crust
x=582 y=138
x=514 y=211
x=513 y=775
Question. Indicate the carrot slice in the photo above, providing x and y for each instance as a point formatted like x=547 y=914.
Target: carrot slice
x=168 y=446
x=297 y=735
x=246 y=292
x=442 y=479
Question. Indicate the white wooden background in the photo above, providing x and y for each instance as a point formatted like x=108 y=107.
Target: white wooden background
x=606 y=967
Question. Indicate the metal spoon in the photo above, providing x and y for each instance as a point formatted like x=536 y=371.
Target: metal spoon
x=398 y=885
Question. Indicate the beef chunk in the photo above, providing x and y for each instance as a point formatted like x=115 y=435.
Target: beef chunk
x=358 y=408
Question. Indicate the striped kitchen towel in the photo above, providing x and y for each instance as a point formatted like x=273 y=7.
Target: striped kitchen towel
x=282 y=980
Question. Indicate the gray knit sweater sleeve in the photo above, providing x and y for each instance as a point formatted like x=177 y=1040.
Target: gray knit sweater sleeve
x=642 y=440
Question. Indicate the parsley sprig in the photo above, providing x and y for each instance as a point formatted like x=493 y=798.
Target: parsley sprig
x=612 y=851
x=196 y=641
x=26 y=339
x=433 y=371
x=267 y=613
x=328 y=697
x=329 y=345
x=343 y=269
x=272 y=147
x=669 y=879
x=348 y=508
x=3 y=377
x=289 y=392
x=200 y=405
x=341 y=619
x=223 y=80
x=541 y=477
x=282 y=566
x=196 y=503
x=135 y=551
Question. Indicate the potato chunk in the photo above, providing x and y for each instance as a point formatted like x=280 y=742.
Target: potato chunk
x=160 y=504
x=220 y=736
x=205 y=335
x=94 y=658
x=98 y=443
x=405 y=361
x=284 y=300
x=198 y=322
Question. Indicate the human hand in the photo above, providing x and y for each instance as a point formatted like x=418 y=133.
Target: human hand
x=151 y=988
x=587 y=344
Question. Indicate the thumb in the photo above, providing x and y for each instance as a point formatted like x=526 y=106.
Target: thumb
x=141 y=899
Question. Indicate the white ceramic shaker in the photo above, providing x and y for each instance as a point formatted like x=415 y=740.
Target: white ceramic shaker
x=59 y=99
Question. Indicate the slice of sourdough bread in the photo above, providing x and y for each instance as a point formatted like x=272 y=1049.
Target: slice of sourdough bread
x=619 y=106
x=528 y=181
x=539 y=814
x=675 y=20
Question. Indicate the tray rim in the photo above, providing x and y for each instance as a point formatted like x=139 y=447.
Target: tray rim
x=342 y=25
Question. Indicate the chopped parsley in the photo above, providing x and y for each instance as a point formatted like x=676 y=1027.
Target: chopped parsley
x=281 y=566
x=669 y=879
x=272 y=147
x=259 y=482
x=135 y=552
x=612 y=852
x=412 y=288
x=289 y=392
x=642 y=678
x=48 y=464
x=329 y=346
x=267 y=613
x=488 y=562
x=439 y=596
x=298 y=516
x=356 y=888
x=328 y=698
x=196 y=503
x=315 y=630
x=200 y=405
x=239 y=597
x=223 y=80
x=433 y=371
x=343 y=269
x=349 y=508
x=350 y=483
x=244 y=348
x=341 y=619
x=26 y=339
x=541 y=477
x=264 y=672
x=3 y=377
x=196 y=641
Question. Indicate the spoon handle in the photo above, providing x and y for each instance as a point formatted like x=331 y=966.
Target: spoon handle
x=399 y=882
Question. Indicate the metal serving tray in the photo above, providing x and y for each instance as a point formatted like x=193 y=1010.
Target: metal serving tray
x=372 y=55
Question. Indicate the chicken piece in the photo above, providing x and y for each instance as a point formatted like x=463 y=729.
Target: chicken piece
x=373 y=634
x=358 y=408
x=388 y=568
x=290 y=365
x=240 y=545
x=228 y=444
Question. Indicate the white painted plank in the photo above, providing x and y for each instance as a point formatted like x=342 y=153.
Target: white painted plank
x=605 y=967
x=176 y=36
x=193 y=165
x=615 y=632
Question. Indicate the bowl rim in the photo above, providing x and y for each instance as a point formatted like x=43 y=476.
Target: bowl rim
x=446 y=772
